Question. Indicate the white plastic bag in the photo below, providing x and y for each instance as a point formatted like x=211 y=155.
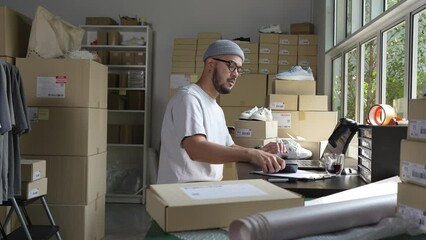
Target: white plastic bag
x=51 y=36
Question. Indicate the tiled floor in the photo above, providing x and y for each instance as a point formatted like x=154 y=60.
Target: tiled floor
x=126 y=221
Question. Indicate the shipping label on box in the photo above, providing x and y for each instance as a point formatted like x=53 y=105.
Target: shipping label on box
x=412 y=162
x=308 y=39
x=249 y=47
x=288 y=50
x=268 y=48
x=417 y=129
x=283 y=119
x=256 y=129
x=282 y=102
x=411 y=203
x=289 y=39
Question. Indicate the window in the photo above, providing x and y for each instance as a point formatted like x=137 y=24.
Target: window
x=393 y=67
x=339 y=21
x=354 y=16
x=351 y=83
x=369 y=76
x=372 y=9
x=337 y=95
x=419 y=55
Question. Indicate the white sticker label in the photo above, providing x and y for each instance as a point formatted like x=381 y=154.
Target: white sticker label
x=414 y=215
x=179 y=80
x=265 y=50
x=417 y=129
x=33 y=192
x=243 y=132
x=51 y=87
x=278 y=105
x=36 y=175
x=284 y=41
x=222 y=191
x=413 y=171
x=284 y=52
x=283 y=119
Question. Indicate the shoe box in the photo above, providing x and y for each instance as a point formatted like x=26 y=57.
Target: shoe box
x=249 y=91
x=15 y=31
x=64 y=82
x=253 y=142
x=282 y=102
x=313 y=103
x=183 y=57
x=184 y=206
x=316 y=147
x=313 y=126
x=412 y=162
x=302 y=28
x=33 y=178
x=417 y=119
x=291 y=87
x=256 y=129
x=411 y=204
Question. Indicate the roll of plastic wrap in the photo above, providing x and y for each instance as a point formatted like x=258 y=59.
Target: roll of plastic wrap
x=381 y=114
x=306 y=221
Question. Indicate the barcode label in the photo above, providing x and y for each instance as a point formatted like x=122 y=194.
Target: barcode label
x=36 y=175
x=414 y=215
x=413 y=172
x=278 y=105
x=243 y=132
x=417 y=129
x=34 y=192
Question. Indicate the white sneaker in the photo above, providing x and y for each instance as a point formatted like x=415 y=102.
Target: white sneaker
x=263 y=114
x=247 y=114
x=271 y=28
x=294 y=150
x=296 y=73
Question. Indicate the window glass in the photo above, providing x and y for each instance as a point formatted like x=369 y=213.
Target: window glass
x=351 y=80
x=419 y=55
x=390 y=3
x=339 y=21
x=353 y=19
x=369 y=76
x=393 y=67
x=336 y=104
x=372 y=9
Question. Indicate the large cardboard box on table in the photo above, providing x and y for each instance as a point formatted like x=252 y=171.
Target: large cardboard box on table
x=312 y=126
x=65 y=131
x=417 y=119
x=249 y=90
x=204 y=205
x=84 y=222
x=255 y=129
x=15 y=31
x=75 y=180
x=413 y=162
x=411 y=203
x=64 y=82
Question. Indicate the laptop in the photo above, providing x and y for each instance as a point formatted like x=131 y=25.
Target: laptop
x=338 y=142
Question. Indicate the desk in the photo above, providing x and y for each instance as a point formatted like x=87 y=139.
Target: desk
x=311 y=189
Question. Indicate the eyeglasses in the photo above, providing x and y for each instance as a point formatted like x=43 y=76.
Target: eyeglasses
x=231 y=65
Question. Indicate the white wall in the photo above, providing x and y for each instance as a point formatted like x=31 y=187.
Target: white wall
x=176 y=19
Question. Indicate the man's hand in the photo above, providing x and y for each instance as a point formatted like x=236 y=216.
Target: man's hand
x=269 y=162
x=274 y=147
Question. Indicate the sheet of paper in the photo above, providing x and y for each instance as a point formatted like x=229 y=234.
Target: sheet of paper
x=222 y=191
x=300 y=174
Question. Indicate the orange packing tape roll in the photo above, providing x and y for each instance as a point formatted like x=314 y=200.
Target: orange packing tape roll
x=381 y=114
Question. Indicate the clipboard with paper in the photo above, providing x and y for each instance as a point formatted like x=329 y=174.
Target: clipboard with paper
x=301 y=175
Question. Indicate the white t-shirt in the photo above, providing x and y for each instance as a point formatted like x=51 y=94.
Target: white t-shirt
x=191 y=111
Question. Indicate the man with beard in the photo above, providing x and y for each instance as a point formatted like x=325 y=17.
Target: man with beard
x=194 y=136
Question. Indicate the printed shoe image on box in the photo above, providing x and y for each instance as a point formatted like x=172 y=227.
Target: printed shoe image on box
x=293 y=150
x=271 y=28
x=296 y=73
x=263 y=114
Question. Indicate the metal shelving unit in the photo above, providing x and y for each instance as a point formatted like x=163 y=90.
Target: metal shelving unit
x=127 y=161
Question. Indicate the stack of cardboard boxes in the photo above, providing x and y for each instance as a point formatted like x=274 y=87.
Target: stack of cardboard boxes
x=268 y=53
x=183 y=58
x=412 y=190
x=204 y=39
x=67 y=102
x=33 y=178
x=251 y=54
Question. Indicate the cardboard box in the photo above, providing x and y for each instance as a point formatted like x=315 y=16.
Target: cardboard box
x=183 y=41
x=33 y=189
x=268 y=48
x=66 y=132
x=291 y=87
x=102 y=38
x=32 y=169
x=177 y=64
x=267 y=58
x=417 y=119
x=127 y=58
x=250 y=90
x=411 y=203
x=307 y=50
x=249 y=47
x=185 y=47
x=316 y=147
x=75 y=221
x=288 y=50
x=289 y=39
x=15 y=31
x=230 y=171
x=256 y=129
x=308 y=39
x=267 y=68
x=282 y=102
x=251 y=68
x=302 y=28
x=114 y=37
x=307 y=61
x=313 y=103
x=184 y=206
x=115 y=58
x=129 y=21
x=183 y=58
x=184 y=52
x=75 y=180
x=312 y=126
x=289 y=61
x=100 y=21
x=64 y=82
x=412 y=162
x=253 y=142
x=183 y=70
x=251 y=58
x=269 y=38
x=232 y=114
